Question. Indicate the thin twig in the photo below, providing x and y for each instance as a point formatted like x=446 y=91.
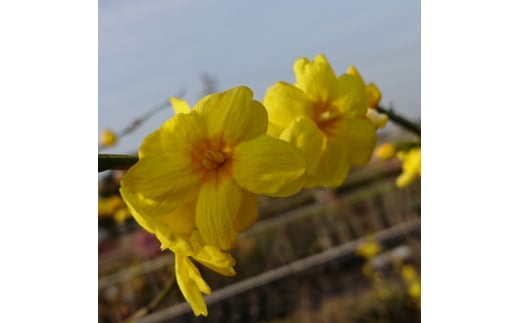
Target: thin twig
x=139 y=121
x=400 y=120
x=152 y=306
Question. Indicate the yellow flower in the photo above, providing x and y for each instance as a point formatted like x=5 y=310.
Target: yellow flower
x=409 y=274
x=196 y=182
x=109 y=205
x=369 y=248
x=385 y=151
x=324 y=116
x=379 y=120
x=108 y=138
x=411 y=167
x=414 y=290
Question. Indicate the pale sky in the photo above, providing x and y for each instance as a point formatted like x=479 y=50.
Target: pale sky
x=151 y=50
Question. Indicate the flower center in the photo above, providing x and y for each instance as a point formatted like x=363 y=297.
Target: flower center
x=327 y=117
x=213 y=159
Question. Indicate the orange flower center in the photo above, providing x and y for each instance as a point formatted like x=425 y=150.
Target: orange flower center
x=327 y=117
x=212 y=160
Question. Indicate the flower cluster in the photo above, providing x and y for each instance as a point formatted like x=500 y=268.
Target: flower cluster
x=196 y=183
x=410 y=156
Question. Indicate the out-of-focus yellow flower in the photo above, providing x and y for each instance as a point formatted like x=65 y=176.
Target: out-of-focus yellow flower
x=199 y=176
x=325 y=117
x=379 y=120
x=369 y=248
x=108 y=138
x=109 y=205
x=385 y=151
x=409 y=274
x=121 y=215
x=411 y=166
x=413 y=283
x=113 y=206
x=414 y=290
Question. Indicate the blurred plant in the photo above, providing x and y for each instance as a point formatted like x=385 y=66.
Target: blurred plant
x=195 y=182
x=413 y=283
x=373 y=268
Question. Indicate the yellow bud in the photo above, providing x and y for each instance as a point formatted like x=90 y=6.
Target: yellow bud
x=108 y=138
x=385 y=151
x=374 y=95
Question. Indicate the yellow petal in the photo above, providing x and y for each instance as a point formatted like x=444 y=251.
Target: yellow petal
x=317 y=78
x=353 y=71
x=217 y=208
x=351 y=99
x=151 y=145
x=374 y=95
x=191 y=284
x=266 y=165
x=216 y=260
x=179 y=106
x=378 y=120
x=158 y=185
x=284 y=103
x=180 y=133
x=182 y=220
x=405 y=179
x=305 y=135
x=143 y=221
x=334 y=165
x=360 y=137
x=248 y=212
x=233 y=115
x=169 y=239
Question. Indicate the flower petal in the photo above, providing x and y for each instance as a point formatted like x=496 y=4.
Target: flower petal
x=374 y=95
x=156 y=186
x=306 y=136
x=248 y=212
x=180 y=133
x=151 y=145
x=285 y=102
x=182 y=220
x=360 y=137
x=217 y=208
x=333 y=166
x=233 y=115
x=317 y=78
x=179 y=105
x=216 y=260
x=266 y=165
x=351 y=99
x=191 y=284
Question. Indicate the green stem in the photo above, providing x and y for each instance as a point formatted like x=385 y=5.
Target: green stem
x=400 y=120
x=121 y=162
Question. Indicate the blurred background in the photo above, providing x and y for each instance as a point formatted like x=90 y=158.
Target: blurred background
x=351 y=254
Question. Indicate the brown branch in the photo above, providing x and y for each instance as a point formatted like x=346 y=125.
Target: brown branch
x=400 y=120
x=111 y=161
